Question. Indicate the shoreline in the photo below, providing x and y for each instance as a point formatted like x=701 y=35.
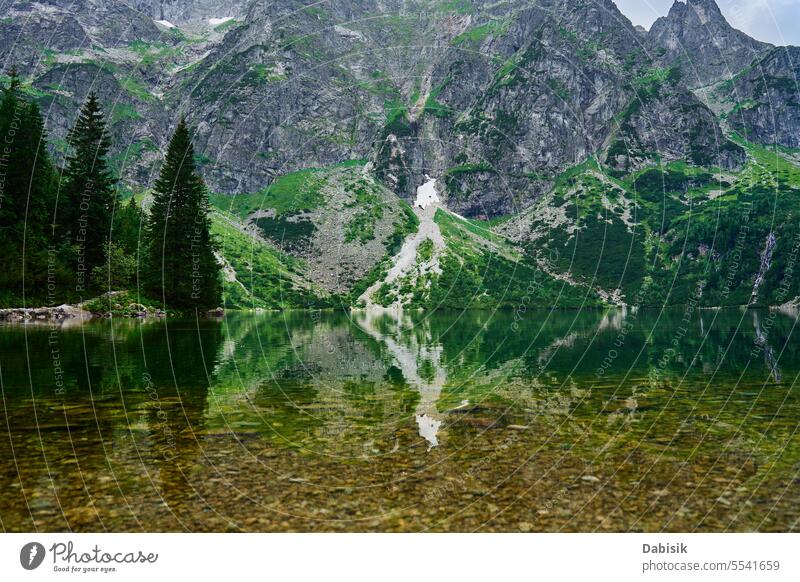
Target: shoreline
x=79 y=313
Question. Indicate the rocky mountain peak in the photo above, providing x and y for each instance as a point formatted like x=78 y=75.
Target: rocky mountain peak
x=697 y=36
x=704 y=10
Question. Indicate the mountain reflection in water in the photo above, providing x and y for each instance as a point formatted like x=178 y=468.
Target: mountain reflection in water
x=379 y=421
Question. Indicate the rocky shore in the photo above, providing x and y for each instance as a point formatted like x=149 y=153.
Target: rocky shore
x=108 y=305
x=62 y=312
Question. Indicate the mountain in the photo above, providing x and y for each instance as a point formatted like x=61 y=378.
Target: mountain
x=673 y=234
x=764 y=98
x=189 y=12
x=69 y=48
x=696 y=36
x=495 y=99
x=582 y=155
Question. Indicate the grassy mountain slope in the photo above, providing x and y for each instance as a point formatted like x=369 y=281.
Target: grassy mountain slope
x=464 y=265
x=289 y=246
x=257 y=275
x=673 y=233
x=666 y=234
x=325 y=231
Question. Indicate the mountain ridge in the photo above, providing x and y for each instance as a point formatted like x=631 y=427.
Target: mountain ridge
x=297 y=85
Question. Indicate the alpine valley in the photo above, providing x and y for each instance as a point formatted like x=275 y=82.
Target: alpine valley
x=447 y=153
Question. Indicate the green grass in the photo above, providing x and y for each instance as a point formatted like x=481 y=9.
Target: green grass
x=380 y=84
x=123 y=112
x=406 y=225
x=681 y=235
x=432 y=104
x=653 y=76
x=136 y=88
x=457 y=6
x=368 y=200
x=425 y=251
x=264 y=274
x=506 y=72
x=396 y=111
x=260 y=74
x=480 y=33
x=686 y=225
x=456 y=228
x=291 y=193
x=225 y=26
x=479 y=269
x=476 y=278
x=151 y=53
x=290 y=235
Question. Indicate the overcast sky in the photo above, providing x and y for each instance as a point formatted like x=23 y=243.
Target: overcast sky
x=775 y=21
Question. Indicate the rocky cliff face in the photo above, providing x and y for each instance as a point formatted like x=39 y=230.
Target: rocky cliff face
x=765 y=99
x=753 y=84
x=696 y=36
x=661 y=102
x=494 y=100
x=180 y=12
x=514 y=99
x=32 y=33
x=68 y=48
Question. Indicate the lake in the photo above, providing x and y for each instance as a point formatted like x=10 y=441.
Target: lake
x=614 y=420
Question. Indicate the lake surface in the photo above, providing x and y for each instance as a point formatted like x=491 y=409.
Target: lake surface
x=475 y=421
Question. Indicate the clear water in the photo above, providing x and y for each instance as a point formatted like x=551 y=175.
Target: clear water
x=487 y=421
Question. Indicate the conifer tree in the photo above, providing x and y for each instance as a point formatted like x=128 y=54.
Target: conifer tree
x=89 y=193
x=127 y=227
x=179 y=264
x=27 y=190
x=118 y=272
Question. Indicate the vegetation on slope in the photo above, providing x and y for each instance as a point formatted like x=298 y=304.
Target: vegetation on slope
x=674 y=233
x=258 y=276
x=477 y=269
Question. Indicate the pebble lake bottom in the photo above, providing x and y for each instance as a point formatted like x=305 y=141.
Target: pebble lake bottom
x=370 y=422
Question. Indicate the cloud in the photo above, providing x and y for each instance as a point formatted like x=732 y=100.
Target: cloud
x=776 y=21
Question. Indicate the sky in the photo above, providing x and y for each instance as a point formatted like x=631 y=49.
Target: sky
x=774 y=21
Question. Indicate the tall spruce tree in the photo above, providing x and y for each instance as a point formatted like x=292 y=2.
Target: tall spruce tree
x=89 y=191
x=27 y=190
x=179 y=264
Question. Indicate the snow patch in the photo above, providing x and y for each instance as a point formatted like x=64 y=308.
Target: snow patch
x=427 y=195
x=218 y=21
x=165 y=23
